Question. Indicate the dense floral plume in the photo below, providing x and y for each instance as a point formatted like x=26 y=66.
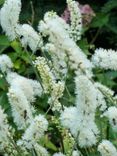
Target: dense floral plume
x=9 y=17
x=106 y=148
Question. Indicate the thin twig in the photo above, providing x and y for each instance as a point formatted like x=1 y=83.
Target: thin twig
x=31 y=62
x=95 y=37
x=33 y=13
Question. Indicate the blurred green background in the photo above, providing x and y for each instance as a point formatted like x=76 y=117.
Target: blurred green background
x=105 y=20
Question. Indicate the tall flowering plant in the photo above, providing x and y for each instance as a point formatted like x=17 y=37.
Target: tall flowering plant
x=76 y=129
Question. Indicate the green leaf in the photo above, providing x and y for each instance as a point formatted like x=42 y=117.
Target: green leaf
x=25 y=57
x=106 y=80
x=112 y=28
x=111 y=4
x=45 y=141
x=13 y=55
x=16 y=46
x=100 y=20
x=1 y=2
x=17 y=64
x=51 y=146
x=111 y=74
x=4 y=41
x=3 y=84
x=3 y=48
x=4 y=101
x=83 y=44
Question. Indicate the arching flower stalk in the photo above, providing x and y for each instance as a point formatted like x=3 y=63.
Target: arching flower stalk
x=21 y=110
x=29 y=37
x=5 y=63
x=59 y=60
x=7 y=144
x=106 y=148
x=111 y=115
x=9 y=17
x=58 y=32
x=51 y=86
x=105 y=59
x=76 y=20
x=33 y=134
x=82 y=117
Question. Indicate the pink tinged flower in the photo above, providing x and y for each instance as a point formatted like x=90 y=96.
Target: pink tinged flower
x=66 y=15
x=86 y=11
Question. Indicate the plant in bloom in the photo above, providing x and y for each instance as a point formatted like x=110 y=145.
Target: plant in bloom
x=60 y=108
x=106 y=148
x=85 y=10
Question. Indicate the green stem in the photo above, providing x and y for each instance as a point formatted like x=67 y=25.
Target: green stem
x=95 y=37
x=107 y=131
x=36 y=73
x=33 y=12
x=14 y=145
x=62 y=144
x=68 y=91
x=87 y=152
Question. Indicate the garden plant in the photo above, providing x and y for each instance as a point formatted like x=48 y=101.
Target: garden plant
x=57 y=91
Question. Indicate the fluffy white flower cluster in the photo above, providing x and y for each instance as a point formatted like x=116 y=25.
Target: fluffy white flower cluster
x=105 y=92
x=21 y=94
x=5 y=63
x=9 y=17
x=56 y=93
x=46 y=75
x=40 y=151
x=102 y=93
x=32 y=87
x=59 y=60
x=59 y=154
x=105 y=59
x=69 y=119
x=29 y=37
x=82 y=117
x=56 y=28
x=33 y=133
x=86 y=104
x=29 y=140
x=9 y=20
x=74 y=153
x=104 y=89
x=55 y=89
x=101 y=102
x=106 y=148
x=44 y=28
x=21 y=110
x=76 y=20
x=6 y=135
x=111 y=114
